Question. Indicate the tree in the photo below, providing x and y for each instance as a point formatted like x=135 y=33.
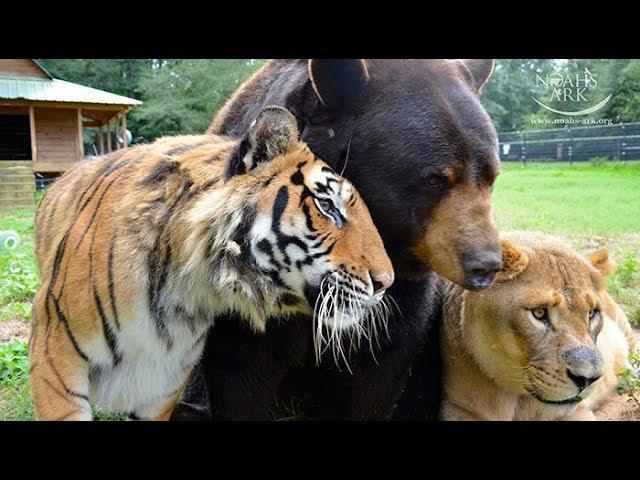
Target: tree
x=182 y=96
x=179 y=96
x=508 y=94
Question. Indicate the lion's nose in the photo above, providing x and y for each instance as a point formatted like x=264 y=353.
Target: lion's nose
x=381 y=281
x=582 y=382
x=584 y=366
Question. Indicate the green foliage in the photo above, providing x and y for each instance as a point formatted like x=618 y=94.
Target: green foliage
x=508 y=94
x=182 y=96
x=18 y=270
x=19 y=279
x=14 y=364
x=629 y=379
x=624 y=284
x=179 y=96
x=626 y=270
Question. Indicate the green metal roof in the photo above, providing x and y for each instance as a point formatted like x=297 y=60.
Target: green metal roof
x=54 y=90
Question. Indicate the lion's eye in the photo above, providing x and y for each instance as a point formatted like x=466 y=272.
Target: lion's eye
x=594 y=313
x=540 y=313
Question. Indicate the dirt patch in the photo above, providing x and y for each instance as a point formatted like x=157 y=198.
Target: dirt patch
x=618 y=408
x=11 y=329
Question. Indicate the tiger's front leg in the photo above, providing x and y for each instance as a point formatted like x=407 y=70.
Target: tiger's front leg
x=59 y=372
x=162 y=409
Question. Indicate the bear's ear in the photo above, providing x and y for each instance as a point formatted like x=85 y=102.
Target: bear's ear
x=514 y=261
x=274 y=132
x=480 y=69
x=603 y=263
x=338 y=83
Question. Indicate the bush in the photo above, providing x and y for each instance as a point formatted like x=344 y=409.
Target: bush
x=629 y=379
x=14 y=363
x=19 y=279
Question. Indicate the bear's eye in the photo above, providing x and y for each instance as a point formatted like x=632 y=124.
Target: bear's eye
x=540 y=313
x=435 y=180
x=594 y=313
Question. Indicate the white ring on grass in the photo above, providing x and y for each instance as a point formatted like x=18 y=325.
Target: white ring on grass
x=9 y=239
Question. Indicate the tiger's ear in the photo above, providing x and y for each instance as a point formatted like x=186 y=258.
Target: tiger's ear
x=273 y=133
x=603 y=263
x=514 y=261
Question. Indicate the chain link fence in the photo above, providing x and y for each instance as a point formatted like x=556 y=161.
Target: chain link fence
x=618 y=141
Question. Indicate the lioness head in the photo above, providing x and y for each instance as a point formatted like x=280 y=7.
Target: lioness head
x=534 y=330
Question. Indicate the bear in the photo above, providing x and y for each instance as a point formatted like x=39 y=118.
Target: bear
x=414 y=139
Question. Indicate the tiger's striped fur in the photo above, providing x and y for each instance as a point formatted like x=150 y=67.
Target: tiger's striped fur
x=140 y=250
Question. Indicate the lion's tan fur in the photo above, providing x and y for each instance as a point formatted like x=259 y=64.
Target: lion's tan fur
x=487 y=347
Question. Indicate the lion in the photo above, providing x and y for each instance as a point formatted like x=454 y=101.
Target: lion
x=544 y=342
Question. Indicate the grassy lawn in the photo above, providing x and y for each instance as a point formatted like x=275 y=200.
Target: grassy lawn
x=591 y=205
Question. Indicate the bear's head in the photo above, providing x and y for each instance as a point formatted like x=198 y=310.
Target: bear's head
x=413 y=138
x=416 y=142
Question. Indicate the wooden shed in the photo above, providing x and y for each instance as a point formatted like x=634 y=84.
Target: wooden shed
x=42 y=120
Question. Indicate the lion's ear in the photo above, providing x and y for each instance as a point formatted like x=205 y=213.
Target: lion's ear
x=514 y=261
x=603 y=263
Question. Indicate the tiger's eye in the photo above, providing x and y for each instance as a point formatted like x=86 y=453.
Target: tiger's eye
x=539 y=312
x=326 y=205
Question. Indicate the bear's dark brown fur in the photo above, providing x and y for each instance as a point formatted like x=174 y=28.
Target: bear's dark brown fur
x=415 y=140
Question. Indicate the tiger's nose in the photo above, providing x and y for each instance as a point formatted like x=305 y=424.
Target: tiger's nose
x=381 y=281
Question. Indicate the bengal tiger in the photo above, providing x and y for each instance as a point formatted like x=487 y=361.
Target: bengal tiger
x=140 y=250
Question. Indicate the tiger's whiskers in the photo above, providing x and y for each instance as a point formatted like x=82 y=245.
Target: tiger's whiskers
x=338 y=309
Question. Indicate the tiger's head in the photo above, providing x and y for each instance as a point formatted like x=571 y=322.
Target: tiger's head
x=303 y=228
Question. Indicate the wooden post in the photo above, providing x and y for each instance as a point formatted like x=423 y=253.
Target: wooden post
x=32 y=126
x=80 y=145
x=101 y=140
x=115 y=123
x=109 y=137
x=124 y=129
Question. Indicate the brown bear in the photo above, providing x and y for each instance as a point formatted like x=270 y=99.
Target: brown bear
x=414 y=139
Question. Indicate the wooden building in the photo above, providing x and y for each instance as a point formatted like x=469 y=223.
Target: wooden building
x=42 y=120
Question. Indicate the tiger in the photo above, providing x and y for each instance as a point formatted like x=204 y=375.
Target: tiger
x=141 y=249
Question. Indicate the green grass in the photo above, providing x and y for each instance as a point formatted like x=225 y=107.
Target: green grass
x=593 y=205
x=14 y=366
x=18 y=271
x=15 y=402
x=569 y=199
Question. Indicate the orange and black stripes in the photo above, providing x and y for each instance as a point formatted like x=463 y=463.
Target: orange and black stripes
x=142 y=250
